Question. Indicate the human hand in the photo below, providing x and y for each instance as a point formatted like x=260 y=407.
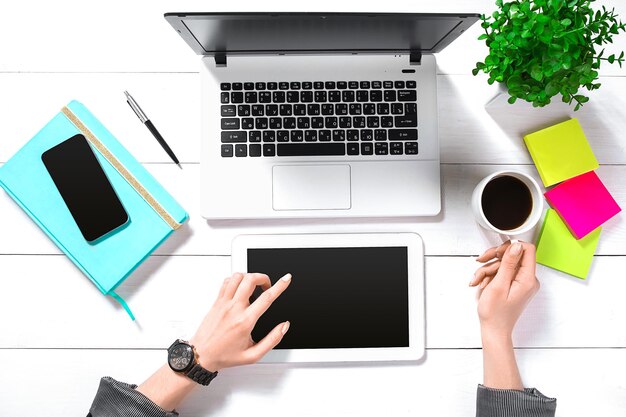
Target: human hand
x=224 y=338
x=507 y=284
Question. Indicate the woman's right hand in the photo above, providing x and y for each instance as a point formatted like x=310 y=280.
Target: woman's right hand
x=508 y=283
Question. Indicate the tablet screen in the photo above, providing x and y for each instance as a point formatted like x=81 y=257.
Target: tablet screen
x=338 y=298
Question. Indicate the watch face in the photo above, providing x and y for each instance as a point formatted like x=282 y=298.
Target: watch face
x=180 y=357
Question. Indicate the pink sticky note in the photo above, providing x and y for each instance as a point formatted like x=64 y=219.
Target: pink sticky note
x=583 y=202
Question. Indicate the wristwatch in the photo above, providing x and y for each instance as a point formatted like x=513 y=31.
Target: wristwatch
x=183 y=359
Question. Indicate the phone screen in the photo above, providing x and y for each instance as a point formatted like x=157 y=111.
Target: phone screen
x=85 y=188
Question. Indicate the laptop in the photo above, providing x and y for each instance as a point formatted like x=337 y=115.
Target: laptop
x=316 y=115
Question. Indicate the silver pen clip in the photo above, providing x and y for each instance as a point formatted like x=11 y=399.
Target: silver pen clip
x=133 y=105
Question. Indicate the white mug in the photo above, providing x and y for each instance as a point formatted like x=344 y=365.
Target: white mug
x=535 y=213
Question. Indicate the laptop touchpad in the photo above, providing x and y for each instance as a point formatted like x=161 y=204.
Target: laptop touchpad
x=311 y=187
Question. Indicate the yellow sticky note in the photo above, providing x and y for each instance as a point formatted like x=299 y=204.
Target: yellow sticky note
x=561 y=152
x=559 y=249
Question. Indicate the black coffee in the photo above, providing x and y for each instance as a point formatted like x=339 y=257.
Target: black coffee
x=506 y=202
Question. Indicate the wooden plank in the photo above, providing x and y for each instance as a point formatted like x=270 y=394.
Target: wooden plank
x=443 y=385
x=453 y=232
x=54 y=306
x=139 y=39
x=469 y=132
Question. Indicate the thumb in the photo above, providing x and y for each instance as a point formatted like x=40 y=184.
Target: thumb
x=508 y=267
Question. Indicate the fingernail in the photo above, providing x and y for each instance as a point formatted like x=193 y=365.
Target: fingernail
x=285 y=328
x=286 y=278
x=516 y=249
x=471 y=282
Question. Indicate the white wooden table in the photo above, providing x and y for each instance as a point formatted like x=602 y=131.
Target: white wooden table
x=59 y=335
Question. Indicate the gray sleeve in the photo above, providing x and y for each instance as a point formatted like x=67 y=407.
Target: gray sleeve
x=117 y=399
x=491 y=402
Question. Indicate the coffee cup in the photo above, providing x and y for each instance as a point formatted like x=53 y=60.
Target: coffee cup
x=507 y=202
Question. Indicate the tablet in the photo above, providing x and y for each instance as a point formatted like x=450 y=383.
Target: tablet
x=353 y=297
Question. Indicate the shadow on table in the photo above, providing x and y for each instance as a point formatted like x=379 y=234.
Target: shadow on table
x=150 y=266
x=264 y=380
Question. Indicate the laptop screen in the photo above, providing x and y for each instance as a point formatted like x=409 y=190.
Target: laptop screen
x=248 y=33
x=338 y=298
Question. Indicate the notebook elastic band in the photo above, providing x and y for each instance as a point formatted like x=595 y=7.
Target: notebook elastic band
x=123 y=172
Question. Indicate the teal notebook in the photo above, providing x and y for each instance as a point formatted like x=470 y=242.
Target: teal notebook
x=153 y=212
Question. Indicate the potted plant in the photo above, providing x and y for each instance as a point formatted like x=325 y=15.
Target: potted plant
x=541 y=48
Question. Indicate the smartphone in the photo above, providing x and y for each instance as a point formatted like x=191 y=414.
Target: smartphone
x=85 y=188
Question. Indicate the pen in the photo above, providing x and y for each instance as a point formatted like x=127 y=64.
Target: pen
x=144 y=119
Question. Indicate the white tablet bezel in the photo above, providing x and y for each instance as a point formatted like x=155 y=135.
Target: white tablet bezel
x=415 y=260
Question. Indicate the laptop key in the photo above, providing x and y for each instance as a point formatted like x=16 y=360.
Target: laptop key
x=307 y=85
x=407 y=95
x=241 y=150
x=283 y=85
x=269 y=149
x=243 y=110
x=328 y=109
x=330 y=85
x=347 y=96
x=376 y=95
x=299 y=110
x=377 y=85
x=410 y=148
x=234 y=137
x=303 y=122
x=317 y=122
x=318 y=85
x=390 y=95
x=324 y=135
x=320 y=96
x=306 y=96
x=353 y=148
x=331 y=122
x=224 y=98
x=345 y=122
x=353 y=85
x=388 y=84
x=297 y=135
x=399 y=84
x=260 y=123
x=272 y=86
x=382 y=108
x=342 y=85
x=225 y=86
x=236 y=97
x=369 y=108
x=380 y=134
x=409 y=120
x=352 y=135
x=362 y=96
x=395 y=148
x=381 y=148
x=229 y=111
x=295 y=85
x=283 y=136
x=358 y=122
x=386 y=121
x=313 y=109
x=254 y=150
x=271 y=109
x=355 y=109
x=402 y=134
x=339 y=135
x=278 y=96
x=334 y=96
x=310 y=135
x=367 y=149
x=268 y=136
x=231 y=123
x=248 y=86
x=237 y=86
x=396 y=108
x=247 y=123
x=286 y=110
x=276 y=123
x=373 y=121
x=293 y=97
x=410 y=108
x=365 y=85
x=258 y=110
x=341 y=109
x=265 y=97
x=289 y=122
x=311 y=149
x=259 y=86
x=255 y=136
x=251 y=97
x=367 y=135
x=411 y=84
x=227 y=151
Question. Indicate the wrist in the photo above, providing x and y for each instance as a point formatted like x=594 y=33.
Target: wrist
x=205 y=357
x=496 y=339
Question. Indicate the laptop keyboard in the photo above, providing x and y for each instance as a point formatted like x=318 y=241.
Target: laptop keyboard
x=318 y=118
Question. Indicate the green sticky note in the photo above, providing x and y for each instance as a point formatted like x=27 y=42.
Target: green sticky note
x=559 y=249
x=561 y=152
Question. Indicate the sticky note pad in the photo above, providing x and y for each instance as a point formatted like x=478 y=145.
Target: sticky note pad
x=558 y=249
x=583 y=202
x=561 y=152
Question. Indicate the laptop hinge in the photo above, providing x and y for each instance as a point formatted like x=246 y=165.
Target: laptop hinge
x=220 y=59
x=415 y=58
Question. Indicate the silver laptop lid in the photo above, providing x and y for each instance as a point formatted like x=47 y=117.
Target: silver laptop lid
x=221 y=34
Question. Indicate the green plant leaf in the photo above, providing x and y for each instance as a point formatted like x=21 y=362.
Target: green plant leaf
x=566 y=22
x=512 y=99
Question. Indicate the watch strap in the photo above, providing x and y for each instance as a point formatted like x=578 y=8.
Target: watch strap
x=201 y=375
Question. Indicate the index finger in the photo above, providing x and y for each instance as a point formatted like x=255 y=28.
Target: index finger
x=265 y=300
x=249 y=283
x=497 y=252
